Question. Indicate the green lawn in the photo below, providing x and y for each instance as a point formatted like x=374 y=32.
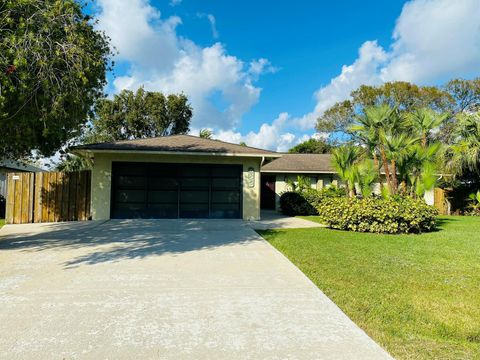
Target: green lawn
x=2 y=222
x=416 y=295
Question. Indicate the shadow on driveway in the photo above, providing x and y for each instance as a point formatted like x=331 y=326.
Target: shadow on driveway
x=116 y=240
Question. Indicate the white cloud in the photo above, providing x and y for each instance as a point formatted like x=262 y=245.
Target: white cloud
x=433 y=40
x=213 y=23
x=175 y=2
x=261 y=66
x=270 y=136
x=220 y=86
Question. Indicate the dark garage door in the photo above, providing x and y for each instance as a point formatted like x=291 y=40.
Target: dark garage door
x=153 y=190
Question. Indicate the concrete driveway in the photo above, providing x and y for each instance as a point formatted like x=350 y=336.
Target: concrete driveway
x=163 y=289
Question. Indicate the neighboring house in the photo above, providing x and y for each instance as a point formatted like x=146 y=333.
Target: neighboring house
x=7 y=166
x=184 y=176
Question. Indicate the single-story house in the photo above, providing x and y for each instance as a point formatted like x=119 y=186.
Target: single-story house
x=184 y=176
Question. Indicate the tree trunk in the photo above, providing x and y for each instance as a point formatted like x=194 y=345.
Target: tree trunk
x=404 y=187
x=385 y=167
x=394 y=177
x=375 y=162
x=424 y=139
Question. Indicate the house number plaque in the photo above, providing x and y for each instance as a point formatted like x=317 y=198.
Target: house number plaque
x=251 y=177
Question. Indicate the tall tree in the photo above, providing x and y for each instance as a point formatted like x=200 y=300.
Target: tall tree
x=140 y=114
x=52 y=68
x=312 y=146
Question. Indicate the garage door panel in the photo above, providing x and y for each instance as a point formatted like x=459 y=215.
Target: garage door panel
x=194 y=197
x=163 y=196
x=130 y=181
x=225 y=211
x=163 y=211
x=131 y=196
x=163 y=183
x=225 y=171
x=176 y=190
x=190 y=183
x=221 y=183
x=194 y=171
x=194 y=211
x=130 y=211
x=226 y=196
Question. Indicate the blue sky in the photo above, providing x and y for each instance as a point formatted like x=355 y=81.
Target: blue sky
x=263 y=71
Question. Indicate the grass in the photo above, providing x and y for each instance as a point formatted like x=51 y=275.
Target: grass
x=417 y=295
x=2 y=222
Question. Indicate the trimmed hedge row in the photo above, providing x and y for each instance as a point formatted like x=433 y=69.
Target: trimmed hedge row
x=394 y=215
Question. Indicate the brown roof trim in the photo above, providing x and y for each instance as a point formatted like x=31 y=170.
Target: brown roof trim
x=177 y=144
x=300 y=163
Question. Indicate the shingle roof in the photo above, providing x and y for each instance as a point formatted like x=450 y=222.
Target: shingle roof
x=309 y=163
x=18 y=165
x=177 y=143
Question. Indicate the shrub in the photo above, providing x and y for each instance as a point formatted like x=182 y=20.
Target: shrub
x=306 y=202
x=393 y=215
x=294 y=203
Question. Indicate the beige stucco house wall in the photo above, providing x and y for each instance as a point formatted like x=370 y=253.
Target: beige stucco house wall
x=102 y=177
x=317 y=181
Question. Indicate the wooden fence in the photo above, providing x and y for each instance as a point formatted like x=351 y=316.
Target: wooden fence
x=48 y=197
x=441 y=202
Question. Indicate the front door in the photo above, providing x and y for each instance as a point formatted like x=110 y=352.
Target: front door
x=267 y=197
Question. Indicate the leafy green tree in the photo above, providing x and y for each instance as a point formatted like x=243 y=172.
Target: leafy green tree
x=74 y=163
x=312 y=146
x=401 y=95
x=52 y=69
x=140 y=114
x=205 y=133
x=465 y=94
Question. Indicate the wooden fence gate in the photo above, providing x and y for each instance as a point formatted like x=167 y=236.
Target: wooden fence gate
x=48 y=197
x=441 y=201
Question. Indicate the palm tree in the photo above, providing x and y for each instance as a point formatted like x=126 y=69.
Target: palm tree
x=418 y=168
x=464 y=155
x=396 y=146
x=343 y=161
x=382 y=122
x=205 y=133
x=424 y=120
x=368 y=128
x=366 y=176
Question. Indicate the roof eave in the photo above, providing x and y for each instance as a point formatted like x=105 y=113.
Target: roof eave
x=298 y=171
x=157 y=152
